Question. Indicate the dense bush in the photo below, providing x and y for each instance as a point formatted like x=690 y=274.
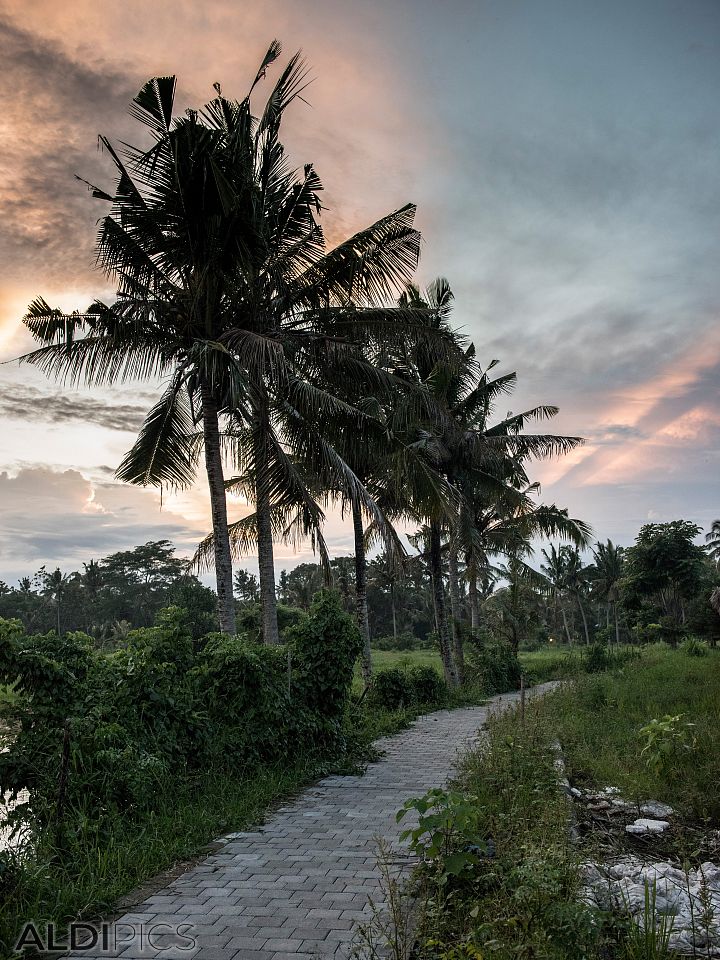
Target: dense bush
x=96 y=734
x=429 y=687
x=405 y=640
x=694 y=647
x=391 y=689
x=493 y=667
x=395 y=688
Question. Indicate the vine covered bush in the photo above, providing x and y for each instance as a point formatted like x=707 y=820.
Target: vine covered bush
x=396 y=689
x=95 y=734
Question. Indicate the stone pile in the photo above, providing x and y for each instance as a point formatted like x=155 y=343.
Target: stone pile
x=690 y=901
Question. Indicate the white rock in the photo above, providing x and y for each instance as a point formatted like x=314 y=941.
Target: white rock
x=653 y=808
x=645 y=825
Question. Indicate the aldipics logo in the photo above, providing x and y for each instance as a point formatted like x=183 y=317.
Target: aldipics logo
x=106 y=937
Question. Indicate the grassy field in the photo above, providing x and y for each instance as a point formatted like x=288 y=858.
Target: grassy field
x=538 y=666
x=676 y=699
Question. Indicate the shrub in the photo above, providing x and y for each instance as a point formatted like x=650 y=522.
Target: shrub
x=324 y=647
x=429 y=687
x=493 y=668
x=115 y=728
x=694 y=647
x=596 y=659
x=405 y=640
x=391 y=689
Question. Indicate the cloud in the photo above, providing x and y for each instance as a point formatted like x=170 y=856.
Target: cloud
x=62 y=518
x=33 y=404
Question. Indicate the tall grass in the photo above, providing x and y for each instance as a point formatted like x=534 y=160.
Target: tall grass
x=598 y=720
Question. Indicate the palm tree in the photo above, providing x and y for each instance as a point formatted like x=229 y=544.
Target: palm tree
x=609 y=564
x=555 y=572
x=54 y=588
x=712 y=540
x=481 y=462
x=225 y=289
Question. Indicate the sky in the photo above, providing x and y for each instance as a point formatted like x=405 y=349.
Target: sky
x=563 y=155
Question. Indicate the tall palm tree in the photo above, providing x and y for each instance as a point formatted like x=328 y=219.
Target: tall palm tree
x=225 y=289
x=477 y=458
x=555 y=571
x=609 y=567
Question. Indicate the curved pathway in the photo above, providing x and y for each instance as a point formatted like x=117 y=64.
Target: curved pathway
x=297 y=886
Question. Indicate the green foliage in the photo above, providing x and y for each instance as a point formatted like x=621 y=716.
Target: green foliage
x=326 y=645
x=391 y=689
x=498 y=876
x=428 y=685
x=397 y=688
x=596 y=659
x=694 y=647
x=493 y=667
x=448 y=831
x=665 y=567
x=597 y=720
x=664 y=740
x=405 y=640
x=115 y=726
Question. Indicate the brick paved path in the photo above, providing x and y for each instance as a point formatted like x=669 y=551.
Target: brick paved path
x=296 y=886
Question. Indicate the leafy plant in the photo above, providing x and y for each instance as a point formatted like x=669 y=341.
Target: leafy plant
x=664 y=739
x=694 y=647
x=448 y=831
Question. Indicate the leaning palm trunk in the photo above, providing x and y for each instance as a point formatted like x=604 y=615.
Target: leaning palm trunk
x=439 y=603
x=617 y=624
x=565 y=624
x=218 y=509
x=266 y=568
x=361 y=604
x=455 y=617
x=584 y=620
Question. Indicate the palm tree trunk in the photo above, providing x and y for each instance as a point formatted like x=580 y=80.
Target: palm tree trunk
x=439 y=603
x=567 y=629
x=266 y=567
x=361 y=606
x=394 y=611
x=584 y=620
x=474 y=600
x=455 y=616
x=218 y=510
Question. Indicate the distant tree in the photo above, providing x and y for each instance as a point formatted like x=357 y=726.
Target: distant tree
x=608 y=572
x=54 y=585
x=712 y=541
x=246 y=586
x=665 y=568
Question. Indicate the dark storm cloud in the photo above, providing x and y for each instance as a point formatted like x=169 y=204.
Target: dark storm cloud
x=29 y=403
x=54 y=107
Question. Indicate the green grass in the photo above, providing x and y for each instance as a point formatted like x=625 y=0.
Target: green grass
x=542 y=665
x=521 y=901
x=598 y=721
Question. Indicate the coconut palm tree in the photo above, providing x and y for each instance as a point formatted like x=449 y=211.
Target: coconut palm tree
x=609 y=569
x=712 y=541
x=476 y=457
x=554 y=570
x=225 y=289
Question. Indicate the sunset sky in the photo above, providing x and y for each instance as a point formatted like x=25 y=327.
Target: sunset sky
x=564 y=157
